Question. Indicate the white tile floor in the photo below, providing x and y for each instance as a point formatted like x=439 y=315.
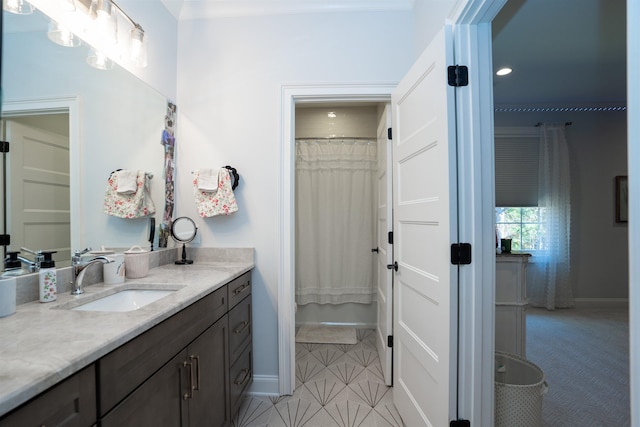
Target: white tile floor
x=336 y=385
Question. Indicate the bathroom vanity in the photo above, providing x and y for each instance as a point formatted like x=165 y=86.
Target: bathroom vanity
x=182 y=359
x=511 y=302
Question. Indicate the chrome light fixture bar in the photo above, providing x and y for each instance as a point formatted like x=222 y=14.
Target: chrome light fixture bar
x=96 y=22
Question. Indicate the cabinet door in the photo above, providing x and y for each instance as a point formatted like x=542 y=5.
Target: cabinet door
x=124 y=369
x=159 y=401
x=209 y=357
x=70 y=403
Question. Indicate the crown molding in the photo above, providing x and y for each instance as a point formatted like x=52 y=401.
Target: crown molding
x=203 y=9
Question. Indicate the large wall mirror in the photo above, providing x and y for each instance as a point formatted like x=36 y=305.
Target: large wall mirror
x=69 y=126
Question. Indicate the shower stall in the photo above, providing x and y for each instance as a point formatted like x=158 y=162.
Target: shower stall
x=335 y=216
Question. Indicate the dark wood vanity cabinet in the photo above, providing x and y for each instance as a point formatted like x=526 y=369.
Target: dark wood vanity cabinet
x=70 y=403
x=190 y=390
x=192 y=369
x=198 y=386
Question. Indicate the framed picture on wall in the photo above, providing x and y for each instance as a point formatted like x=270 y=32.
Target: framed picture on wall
x=622 y=199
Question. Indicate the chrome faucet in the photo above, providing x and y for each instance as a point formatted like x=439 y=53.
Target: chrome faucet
x=38 y=257
x=79 y=268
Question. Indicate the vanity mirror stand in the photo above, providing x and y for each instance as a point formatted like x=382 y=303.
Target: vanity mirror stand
x=184 y=230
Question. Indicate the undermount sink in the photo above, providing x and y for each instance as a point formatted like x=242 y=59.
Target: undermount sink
x=125 y=300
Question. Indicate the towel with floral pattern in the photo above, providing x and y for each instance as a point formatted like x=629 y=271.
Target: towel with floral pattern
x=135 y=205
x=217 y=202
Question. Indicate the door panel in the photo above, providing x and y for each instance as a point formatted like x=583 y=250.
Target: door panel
x=385 y=252
x=425 y=224
x=39 y=191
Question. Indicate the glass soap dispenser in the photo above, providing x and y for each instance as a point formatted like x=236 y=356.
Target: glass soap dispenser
x=48 y=288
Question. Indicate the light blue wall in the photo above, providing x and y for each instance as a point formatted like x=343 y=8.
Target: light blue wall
x=230 y=74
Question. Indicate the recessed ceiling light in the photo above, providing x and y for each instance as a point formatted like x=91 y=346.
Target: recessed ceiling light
x=503 y=71
x=331 y=114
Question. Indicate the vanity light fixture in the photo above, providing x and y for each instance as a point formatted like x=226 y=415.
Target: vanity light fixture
x=106 y=13
x=59 y=34
x=106 y=21
x=138 y=46
x=68 y=5
x=503 y=71
x=99 y=60
x=19 y=7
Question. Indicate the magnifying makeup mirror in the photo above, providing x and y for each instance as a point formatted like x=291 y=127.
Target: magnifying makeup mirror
x=184 y=230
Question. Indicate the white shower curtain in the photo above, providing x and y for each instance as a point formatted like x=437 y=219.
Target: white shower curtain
x=548 y=283
x=335 y=221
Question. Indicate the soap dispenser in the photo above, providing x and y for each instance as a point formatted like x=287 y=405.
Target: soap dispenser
x=12 y=265
x=48 y=278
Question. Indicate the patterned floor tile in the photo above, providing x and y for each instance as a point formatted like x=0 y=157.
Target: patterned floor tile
x=337 y=385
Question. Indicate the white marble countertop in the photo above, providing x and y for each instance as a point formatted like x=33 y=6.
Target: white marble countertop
x=41 y=344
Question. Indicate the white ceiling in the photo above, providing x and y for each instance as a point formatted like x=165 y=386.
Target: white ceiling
x=563 y=52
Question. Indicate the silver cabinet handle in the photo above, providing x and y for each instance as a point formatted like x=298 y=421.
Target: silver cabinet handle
x=247 y=375
x=241 y=328
x=242 y=288
x=189 y=395
x=197 y=359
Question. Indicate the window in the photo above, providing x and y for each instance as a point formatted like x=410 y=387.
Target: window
x=525 y=225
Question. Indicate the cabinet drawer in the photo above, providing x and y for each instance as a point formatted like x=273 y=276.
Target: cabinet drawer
x=134 y=362
x=240 y=378
x=239 y=329
x=70 y=403
x=239 y=289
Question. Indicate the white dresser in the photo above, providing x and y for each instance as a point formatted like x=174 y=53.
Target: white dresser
x=511 y=302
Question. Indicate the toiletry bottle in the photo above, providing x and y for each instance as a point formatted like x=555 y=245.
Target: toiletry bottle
x=48 y=278
x=12 y=265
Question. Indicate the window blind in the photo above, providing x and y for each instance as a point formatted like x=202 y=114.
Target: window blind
x=516 y=165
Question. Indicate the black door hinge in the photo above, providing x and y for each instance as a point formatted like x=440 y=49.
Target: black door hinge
x=390 y=341
x=461 y=253
x=390 y=238
x=460 y=423
x=4 y=146
x=389 y=133
x=458 y=75
x=5 y=239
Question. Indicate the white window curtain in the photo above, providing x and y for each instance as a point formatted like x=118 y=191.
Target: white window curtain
x=335 y=221
x=549 y=282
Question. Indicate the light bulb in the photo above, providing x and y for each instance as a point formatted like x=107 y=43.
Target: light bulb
x=68 y=5
x=61 y=35
x=138 y=47
x=19 y=7
x=99 y=60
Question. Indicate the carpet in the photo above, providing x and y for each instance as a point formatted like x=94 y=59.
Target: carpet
x=327 y=335
x=584 y=354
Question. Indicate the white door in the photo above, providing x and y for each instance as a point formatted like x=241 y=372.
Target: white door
x=425 y=226
x=39 y=191
x=385 y=253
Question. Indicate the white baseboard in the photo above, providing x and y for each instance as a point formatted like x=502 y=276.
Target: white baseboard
x=602 y=302
x=265 y=385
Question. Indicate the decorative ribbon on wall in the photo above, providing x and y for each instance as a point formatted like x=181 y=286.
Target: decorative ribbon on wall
x=169 y=142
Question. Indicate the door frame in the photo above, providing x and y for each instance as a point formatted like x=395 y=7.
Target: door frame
x=65 y=104
x=290 y=96
x=476 y=195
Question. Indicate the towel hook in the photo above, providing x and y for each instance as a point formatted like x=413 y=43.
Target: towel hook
x=236 y=177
